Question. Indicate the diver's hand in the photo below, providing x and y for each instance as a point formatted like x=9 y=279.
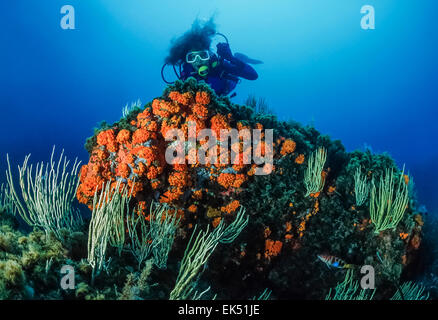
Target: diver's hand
x=224 y=51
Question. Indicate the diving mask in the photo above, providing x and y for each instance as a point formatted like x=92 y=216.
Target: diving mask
x=192 y=56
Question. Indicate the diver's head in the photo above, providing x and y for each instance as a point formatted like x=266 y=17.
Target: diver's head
x=198 y=38
x=200 y=61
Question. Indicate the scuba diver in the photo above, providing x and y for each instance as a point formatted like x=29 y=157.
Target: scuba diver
x=222 y=70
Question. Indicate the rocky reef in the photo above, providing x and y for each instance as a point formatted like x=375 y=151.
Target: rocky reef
x=296 y=212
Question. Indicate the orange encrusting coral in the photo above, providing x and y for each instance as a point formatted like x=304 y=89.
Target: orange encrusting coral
x=216 y=222
x=135 y=155
x=231 y=207
x=202 y=97
x=192 y=208
x=288 y=147
x=331 y=189
x=403 y=236
x=299 y=159
x=272 y=248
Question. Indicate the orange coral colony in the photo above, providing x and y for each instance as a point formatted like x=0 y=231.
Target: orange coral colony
x=272 y=248
x=135 y=154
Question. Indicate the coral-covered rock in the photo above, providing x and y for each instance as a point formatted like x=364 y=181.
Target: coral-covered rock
x=287 y=230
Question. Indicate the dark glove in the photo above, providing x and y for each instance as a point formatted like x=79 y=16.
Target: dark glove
x=224 y=51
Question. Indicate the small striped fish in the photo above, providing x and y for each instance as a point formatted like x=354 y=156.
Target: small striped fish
x=334 y=262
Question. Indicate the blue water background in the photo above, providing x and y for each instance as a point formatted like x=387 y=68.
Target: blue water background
x=364 y=87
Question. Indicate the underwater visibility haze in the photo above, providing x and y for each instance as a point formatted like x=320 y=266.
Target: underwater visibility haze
x=329 y=172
